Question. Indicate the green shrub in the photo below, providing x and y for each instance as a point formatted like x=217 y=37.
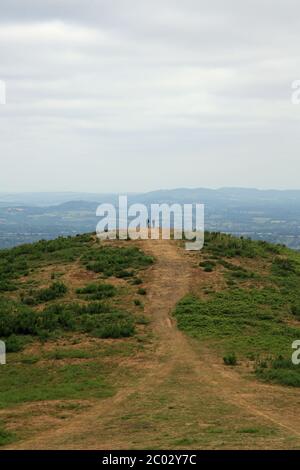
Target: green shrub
x=116 y=261
x=28 y=300
x=60 y=354
x=16 y=319
x=56 y=290
x=123 y=274
x=230 y=359
x=242 y=274
x=14 y=344
x=7 y=286
x=137 y=281
x=280 y=370
x=93 y=308
x=142 y=291
x=97 y=291
x=207 y=265
x=230 y=266
x=30 y=359
x=283 y=266
x=220 y=244
x=56 y=317
x=6 y=437
x=119 y=330
x=295 y=309
x=208 y=269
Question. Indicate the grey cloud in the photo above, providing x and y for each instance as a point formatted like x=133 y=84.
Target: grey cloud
x=136 y=95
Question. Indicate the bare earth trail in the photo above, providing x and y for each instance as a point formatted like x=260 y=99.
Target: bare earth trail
x=182 y=396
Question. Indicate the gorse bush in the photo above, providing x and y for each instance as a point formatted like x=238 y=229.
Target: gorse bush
x=295 y=309
x=56 y=290
x=7 y=286
x=118 y=330
x=6 y=437
x=109 y=324
x=237 y=271
x=207 y=263
x=93 y=308
x=97 y=291
x=17 y=319
x=220 y=244
x=57 y=317
x=123 y=274
x=116 y=261
x=141 y=291
x=230 y=359
x=11 y=267
x=283 y=266
x=241 y=274
x=136 y=281
x=279 y=370
x=14 y=343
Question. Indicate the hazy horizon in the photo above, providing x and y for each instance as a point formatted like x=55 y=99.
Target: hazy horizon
x=177 y=188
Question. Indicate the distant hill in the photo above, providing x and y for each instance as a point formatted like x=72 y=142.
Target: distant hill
x=270 y=215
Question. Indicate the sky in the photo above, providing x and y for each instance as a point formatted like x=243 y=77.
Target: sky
x=137 y=95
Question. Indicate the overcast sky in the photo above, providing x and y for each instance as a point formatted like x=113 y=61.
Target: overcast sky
x=135 y=95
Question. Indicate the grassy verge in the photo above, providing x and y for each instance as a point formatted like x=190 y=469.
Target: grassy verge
x=254 y=313
x=26 y=383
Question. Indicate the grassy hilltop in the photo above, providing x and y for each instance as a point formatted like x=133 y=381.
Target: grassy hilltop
x=85 y=320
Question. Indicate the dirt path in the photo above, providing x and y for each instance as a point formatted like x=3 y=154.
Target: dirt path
x=184 y=397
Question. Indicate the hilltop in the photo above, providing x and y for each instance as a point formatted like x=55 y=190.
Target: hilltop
x=143 y=344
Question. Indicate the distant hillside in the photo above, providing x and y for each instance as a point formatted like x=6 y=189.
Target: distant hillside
x=264 y=215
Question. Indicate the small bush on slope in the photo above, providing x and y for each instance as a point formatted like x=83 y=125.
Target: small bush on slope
x=97 y=291
x=90 y=318
x=114 y=261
